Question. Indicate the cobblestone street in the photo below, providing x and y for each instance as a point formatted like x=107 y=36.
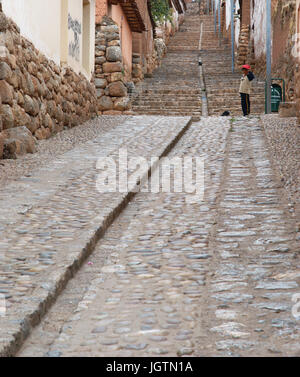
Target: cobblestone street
x=140 y=273
x=173 y=279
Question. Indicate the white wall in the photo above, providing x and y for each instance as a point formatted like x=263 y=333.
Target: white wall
x=55 y=27
x=75 y=30
x=228 y=14
x=39 y=21
x=258 y=18
x=237 y=24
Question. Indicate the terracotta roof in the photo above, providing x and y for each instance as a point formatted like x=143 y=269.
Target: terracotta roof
x=132 y=13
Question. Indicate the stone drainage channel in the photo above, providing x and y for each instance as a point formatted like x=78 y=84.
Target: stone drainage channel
x=201 y=77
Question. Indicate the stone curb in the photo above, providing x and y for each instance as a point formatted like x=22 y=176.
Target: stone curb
x=80 y=252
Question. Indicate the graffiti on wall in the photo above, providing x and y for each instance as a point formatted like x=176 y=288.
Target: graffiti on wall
x=74 y=46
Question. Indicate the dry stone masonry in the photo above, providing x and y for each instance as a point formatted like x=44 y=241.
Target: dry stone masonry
x=110 y=75
x=38 y=97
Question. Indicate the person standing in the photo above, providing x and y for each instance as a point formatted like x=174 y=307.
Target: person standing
x=245 y=88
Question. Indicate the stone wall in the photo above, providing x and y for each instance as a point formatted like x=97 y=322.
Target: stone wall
x=244 y=47
x=37 y=97
x=297 y=63
x=110 y=75
x=243 y=52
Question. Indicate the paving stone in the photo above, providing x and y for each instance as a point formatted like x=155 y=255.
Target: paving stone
x=277 y=285
x=148 y=283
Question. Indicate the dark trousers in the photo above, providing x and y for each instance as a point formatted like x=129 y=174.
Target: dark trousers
x=245 y=99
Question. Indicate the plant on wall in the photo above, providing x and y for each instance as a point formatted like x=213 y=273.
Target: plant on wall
x=161 y=11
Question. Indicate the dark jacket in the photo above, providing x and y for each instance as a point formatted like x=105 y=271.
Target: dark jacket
x=250 y=76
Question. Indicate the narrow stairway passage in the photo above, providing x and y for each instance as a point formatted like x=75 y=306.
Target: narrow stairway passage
x=174 y=88
x=222 y=86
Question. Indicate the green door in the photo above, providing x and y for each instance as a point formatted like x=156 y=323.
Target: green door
x=276 y=97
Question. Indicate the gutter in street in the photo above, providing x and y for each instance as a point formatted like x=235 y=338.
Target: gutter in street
x=201 y=77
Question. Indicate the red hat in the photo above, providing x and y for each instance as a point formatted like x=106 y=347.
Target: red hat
x=246 y=66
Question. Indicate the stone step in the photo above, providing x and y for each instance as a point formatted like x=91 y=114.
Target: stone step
x=187 y=109
x=166 y=98
x=163 y=102
x=168 y=113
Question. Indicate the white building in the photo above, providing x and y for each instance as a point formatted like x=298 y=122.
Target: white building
x=64 y=30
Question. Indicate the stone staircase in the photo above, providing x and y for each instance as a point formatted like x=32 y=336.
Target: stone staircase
x=173 y=89
x=222 y=86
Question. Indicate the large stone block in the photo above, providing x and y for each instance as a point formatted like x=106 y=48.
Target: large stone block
x=14 y=80
x=38 y=89
x=105 y=103
x=117 y=89
x=3 y=22
x=31 y=105
x=122 y=104
x=7 y=116
x=5 y=71
x=1 y=145
x=18 y=141
x=112 y=67
x=33 y=123
x=48 y=123
x=110 y=29
x=42 y=133
x=114 y=54
x=100 y=83
x=100 y=93
x=9 y=42
x=116 y=76
x=112 y=37
x=29 y=84
x=19 y=114
x=100 y=60
x=6 y=92
x=12 y=61
x=113 y=43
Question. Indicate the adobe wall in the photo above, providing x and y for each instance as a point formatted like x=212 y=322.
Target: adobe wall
x=101 y=10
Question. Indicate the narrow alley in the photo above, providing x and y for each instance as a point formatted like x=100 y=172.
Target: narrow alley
x=140 y=273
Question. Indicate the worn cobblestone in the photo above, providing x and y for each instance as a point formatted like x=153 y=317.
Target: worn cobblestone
x=50 y=218
x=237 y=302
